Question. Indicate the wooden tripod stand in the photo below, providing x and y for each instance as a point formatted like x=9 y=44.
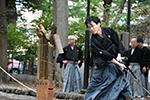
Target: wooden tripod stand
x=45 y=83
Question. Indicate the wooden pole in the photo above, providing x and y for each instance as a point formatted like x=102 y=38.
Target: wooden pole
x=86 y=62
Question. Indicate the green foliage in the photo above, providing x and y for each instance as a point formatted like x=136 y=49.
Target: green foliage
x=140 y=3
x=19 y=38
x=32 y=5
x=23 y=38
x=48 y=21
x=141 y=21
x=16 y=37
x=47 y=16
x=78 y=11
x=78 y=29
x=97 y=9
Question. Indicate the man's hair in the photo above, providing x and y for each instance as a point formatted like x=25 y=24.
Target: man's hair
x=140 y=40
x=133 y=38
x=71 y=36
x=92 y=18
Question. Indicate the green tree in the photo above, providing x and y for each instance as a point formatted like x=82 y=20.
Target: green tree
x=19 y=37
x=141 y=28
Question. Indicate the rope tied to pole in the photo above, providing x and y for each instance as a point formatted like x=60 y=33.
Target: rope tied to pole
x=17 y=80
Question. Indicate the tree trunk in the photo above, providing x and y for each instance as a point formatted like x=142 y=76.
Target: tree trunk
x=11 y=11
x=107 y=5
x=55 y=12
x=3 y=41
x=61 y=20
x=119 y=12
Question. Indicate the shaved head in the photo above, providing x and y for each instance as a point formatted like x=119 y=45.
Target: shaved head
x=133 y=42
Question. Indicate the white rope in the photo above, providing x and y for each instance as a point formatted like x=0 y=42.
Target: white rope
x=17 y=80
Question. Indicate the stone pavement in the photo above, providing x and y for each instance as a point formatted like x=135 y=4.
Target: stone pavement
x=13 y=93
x=11 y=96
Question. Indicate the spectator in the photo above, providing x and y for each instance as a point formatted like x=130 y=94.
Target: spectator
x=108 y=81
x=8 y=62
x=135 y=64
x=145 y=61
x=14 y=67
x=72 y=58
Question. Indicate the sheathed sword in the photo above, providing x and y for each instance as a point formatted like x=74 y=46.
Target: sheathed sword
x=138 y=83
x=127 y=68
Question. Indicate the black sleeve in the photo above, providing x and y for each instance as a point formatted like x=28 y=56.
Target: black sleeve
x=80 y=57
x=127 y=57
x=104 y=53
x=91 y=61
x=147 y=56
x=60 y=59
x=117 y=41
x=140 y=59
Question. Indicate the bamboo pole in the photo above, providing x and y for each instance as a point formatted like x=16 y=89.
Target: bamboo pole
x=49 y=72
x=58 y=43
x=44 y=59
x=43 y=50
x=39 y=60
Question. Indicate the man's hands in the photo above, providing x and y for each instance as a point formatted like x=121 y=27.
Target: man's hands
x=79 y=62
x=65 y=61
x=119 y=57
x=144 y=69
x=122 y=66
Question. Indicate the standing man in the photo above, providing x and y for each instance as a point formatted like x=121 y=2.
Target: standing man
x=145 y=61
x=135 y=64
x=72 y=58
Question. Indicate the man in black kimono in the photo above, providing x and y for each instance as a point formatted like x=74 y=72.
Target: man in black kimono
x=135 y=64
x=145 y=61
x=108 y=81
x=72 y=58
